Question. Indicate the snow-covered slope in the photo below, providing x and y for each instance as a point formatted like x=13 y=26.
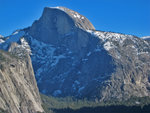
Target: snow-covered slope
x=70 y=59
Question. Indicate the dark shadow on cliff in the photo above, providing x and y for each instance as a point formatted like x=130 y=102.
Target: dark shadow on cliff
x=107 y=109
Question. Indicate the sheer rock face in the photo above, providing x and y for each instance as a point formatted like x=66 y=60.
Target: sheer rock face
x=18 y=88
x=62 y=25
x=71 y=58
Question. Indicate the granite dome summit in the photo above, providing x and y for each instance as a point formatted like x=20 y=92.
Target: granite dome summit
x=57 y=22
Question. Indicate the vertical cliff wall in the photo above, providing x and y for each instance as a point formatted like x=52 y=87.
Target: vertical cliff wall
x=18 y=89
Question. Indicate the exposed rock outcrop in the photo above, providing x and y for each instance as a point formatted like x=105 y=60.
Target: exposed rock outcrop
x=18 y=88
x=62 y=25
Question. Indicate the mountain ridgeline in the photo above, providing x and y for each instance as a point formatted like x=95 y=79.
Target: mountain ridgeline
x=71 y=58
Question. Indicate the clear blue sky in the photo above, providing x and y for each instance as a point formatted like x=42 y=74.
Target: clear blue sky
x=124 y=16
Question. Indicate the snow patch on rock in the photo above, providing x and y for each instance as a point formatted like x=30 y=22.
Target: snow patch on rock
x=80 y=89
x=1 y=36
x=108 y=45
x=25 y=45
x=1 y=41
x=57 y=92
x=57 y=58
x=89 y=53
x=77 y=82
x=108 y=35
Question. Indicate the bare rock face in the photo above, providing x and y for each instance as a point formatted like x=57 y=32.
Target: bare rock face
x=62 y=25
x=18 y=88
x=80 y=21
